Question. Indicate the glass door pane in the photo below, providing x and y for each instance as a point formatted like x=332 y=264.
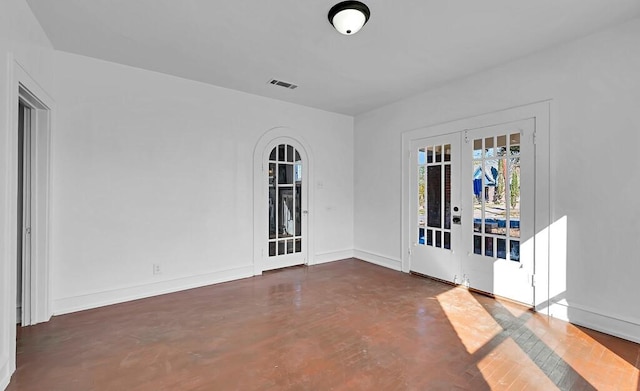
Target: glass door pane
x=285 y=201
x=496 y=196
x=434 y=196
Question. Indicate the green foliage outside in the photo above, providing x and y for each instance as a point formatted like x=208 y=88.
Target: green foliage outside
x=514 y=188
x=500 y=185
x=421 y=186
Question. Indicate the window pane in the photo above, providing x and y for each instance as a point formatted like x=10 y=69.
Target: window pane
x=285 y=213
x=290 y=153
x=514 y=250
x=438 y=238
x=488 y=246
x=281 y=153
x=447 y=240
x=272 y=213
x=447 y=153
x=285 y=174
x=501 y=149
x=477 y=244
x=281 y=247
x=421 y=196
x=297 y=172
x=272 y=174
x=477 y=149
x=438 y=152
x=495 y=200
x=298 y=157
x=298 y=245
x=272 y=155
x=434 y=196
x=272 y=249
x=421 y=236
x=429 y=154
x=447 y=196
x=514 y=197
x=429 y=237
x=514 y=144
x=289 y=246
x=502 y=248
x=477 y=196
x=298 y=210
x=488 y=147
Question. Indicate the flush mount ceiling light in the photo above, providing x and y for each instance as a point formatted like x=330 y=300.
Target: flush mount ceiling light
x=348 y=17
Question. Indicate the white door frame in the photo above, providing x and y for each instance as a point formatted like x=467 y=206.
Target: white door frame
x=540 y=112
x=23 y=87
x=278 y=135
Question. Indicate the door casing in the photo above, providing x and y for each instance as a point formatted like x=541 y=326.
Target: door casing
x=23 y=87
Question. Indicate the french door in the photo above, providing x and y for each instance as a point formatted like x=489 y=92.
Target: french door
x=436 y=197
x=287 y=207
x=473 y=209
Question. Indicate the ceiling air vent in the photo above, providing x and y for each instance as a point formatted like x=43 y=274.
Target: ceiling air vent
x=283 y=84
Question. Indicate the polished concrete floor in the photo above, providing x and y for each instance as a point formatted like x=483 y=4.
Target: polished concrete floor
x=346 y=325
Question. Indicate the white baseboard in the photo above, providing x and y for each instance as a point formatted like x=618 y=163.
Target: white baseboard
x=332 y=256
x=594 y=319
x=377 y=259
x=99 y=299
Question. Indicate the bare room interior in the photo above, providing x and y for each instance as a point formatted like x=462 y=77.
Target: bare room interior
x=325 y=195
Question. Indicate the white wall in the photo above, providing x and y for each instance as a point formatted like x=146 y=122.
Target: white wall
x=150 y=168
x=23 y=42
x=595 y=136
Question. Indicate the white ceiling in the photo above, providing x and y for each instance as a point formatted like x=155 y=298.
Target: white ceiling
x=407 y=47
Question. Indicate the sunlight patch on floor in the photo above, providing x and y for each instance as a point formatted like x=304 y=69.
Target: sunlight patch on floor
x=582 y=353
x=473 y=324
x=508 y=367
x=514 y=309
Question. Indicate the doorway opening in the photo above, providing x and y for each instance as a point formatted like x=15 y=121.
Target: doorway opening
x=23 y=233
x=32 y=151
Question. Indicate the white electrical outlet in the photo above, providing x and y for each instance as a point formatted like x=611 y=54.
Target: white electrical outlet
x=156 y=269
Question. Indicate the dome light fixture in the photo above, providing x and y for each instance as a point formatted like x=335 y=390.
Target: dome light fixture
x=348 y=17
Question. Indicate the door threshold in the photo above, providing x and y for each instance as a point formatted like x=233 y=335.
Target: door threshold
x=433 y=278
x=284 y=268
x=478 y=291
